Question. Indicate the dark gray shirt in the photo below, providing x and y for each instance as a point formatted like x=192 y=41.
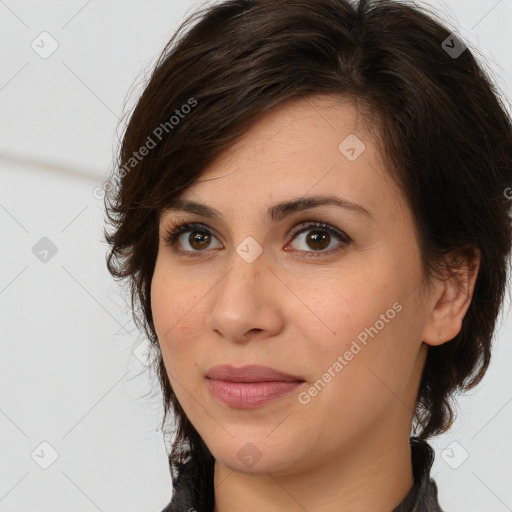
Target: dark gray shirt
x=421 y=498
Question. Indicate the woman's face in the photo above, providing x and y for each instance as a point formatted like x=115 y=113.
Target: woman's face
x=340 y=307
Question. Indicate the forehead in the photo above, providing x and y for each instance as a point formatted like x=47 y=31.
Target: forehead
x=307 y=146
x=302 y=129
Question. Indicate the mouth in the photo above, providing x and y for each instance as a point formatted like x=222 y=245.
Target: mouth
x=250 y=386
x=250 y=373
x=248 y=395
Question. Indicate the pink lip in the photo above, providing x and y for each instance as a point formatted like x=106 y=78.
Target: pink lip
x=250 y=386
x=250 y=373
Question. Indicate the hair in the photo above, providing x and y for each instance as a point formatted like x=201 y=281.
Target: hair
x=445 y=136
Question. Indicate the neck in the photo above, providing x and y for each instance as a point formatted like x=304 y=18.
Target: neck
x=374 y=473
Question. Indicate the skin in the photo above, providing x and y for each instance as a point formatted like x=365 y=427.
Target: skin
x=297 y=310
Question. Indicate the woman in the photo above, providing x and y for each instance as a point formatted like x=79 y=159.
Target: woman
x=311 y=209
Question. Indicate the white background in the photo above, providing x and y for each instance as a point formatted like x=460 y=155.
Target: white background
x=68 y=374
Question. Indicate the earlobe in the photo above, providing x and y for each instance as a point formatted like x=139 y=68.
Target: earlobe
x=451 y=301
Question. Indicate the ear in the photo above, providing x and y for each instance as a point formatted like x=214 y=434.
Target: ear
x=451 y=297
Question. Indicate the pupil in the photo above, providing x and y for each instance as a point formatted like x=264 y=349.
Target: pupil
x=197 y=238
x=318 y=236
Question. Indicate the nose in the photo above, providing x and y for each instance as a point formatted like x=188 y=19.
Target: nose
x=246 y=302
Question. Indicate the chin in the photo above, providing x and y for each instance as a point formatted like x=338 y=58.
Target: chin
x=254 y=458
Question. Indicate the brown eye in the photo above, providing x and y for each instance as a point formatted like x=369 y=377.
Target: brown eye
x=317 y=237
x=318 y=240
x=199 y=240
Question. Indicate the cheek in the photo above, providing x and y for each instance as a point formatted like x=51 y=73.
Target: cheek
x=176 y=307
x=370 y=319
x=338 y=309
x=362 y=370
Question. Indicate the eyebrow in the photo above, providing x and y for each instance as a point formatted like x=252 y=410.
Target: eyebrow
x=275 y=212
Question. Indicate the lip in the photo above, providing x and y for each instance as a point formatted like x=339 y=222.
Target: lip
x=250 y=386
x=250 y=373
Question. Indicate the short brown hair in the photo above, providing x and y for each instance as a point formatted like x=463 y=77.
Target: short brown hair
x=446 y=138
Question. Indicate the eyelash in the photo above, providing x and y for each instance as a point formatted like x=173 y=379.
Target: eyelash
x=174 y=231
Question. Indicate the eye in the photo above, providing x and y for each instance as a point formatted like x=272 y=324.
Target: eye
x=199 y=238
x=319 y=236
